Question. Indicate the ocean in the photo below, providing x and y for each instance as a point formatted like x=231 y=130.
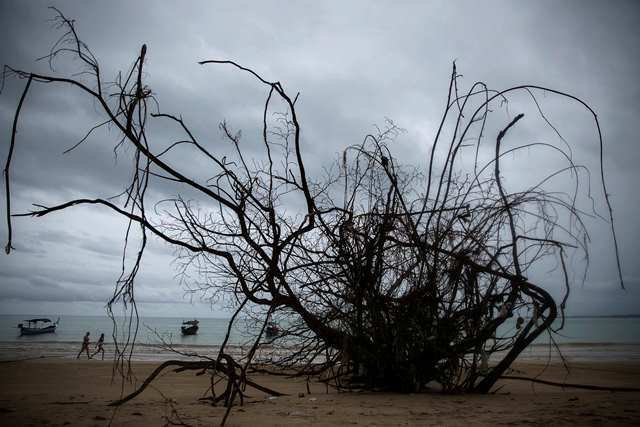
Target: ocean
x=150 y=330
x=154 y=336
x=587 y=338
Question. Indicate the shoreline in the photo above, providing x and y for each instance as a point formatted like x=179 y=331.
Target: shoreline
x=579 y=352
x=63 y=392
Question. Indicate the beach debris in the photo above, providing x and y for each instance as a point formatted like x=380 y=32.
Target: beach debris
x=300 y=394
x=572 y=385
x=403 y=280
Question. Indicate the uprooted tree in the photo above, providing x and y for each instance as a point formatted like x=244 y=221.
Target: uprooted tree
x=386 y=276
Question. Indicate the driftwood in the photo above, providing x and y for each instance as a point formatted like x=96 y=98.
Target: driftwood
x=571 y=385
x=379 y=274
x=203 y=366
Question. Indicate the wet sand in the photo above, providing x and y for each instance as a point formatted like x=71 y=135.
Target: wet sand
x=69 y=392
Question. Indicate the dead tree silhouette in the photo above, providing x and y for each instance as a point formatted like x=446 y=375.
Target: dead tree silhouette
x=385 y=276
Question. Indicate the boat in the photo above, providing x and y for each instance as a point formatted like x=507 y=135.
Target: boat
x=38 y=326
x=189 y=327
x=272 y=330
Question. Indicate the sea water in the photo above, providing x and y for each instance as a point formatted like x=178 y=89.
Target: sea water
x=581 y=337
x=155 y=337
x=151 y=330
x=588 y=330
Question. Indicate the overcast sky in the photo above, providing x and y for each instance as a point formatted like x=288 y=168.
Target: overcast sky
x=354 y=64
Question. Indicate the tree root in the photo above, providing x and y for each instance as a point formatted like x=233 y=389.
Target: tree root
x=570 y=385
x=184 y=366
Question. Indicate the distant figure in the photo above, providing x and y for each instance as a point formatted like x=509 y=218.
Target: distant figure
x=99 y=348
x=85 y=346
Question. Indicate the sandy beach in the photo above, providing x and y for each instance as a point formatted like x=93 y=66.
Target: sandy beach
x=63 y=392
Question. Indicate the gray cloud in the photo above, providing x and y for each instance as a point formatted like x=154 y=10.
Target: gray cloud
x=354 y=64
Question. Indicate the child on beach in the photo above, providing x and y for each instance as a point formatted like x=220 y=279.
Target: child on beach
x=85 y=346
x=99 y=345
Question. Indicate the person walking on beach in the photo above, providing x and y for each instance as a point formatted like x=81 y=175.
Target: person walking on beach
x=85 y=346
x=99 y=348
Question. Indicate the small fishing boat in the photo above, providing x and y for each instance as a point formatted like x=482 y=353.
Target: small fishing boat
x=38 y=326
x=189 y=327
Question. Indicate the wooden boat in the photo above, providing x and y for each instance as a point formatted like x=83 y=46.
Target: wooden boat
x=38 y=326
x=190 y=327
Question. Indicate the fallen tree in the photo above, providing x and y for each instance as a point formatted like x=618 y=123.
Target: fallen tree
x=385 y=276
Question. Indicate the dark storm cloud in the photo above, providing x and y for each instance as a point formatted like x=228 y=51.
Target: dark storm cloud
x=354 y=63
